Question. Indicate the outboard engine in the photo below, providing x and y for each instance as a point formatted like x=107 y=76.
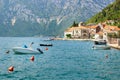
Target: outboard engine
x=39 y=50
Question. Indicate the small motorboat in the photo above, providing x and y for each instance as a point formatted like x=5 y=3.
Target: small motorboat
x=46 y=45
x=101 y=45
x=105 y=47
x=102 y=42
x=21 y=50
x=49 y=39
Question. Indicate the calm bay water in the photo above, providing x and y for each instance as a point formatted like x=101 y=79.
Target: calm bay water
x=65 y=60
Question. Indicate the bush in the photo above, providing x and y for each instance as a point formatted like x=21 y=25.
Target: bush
x=68 y=35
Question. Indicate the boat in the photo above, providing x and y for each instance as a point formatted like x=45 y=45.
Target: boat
x=100 y=42
x=49 y=39
x=105 y=47
x=21 y=50
x=46 y=45
x=101 y=45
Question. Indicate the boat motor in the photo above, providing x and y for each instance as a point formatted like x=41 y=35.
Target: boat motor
x=39 y=50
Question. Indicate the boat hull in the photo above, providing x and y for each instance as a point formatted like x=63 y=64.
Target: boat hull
x=100 y=42
x=20 y=50
x=46 y=45
x=101 y=47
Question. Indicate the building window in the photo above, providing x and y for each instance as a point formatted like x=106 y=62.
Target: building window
x=84 y=35
x=76 y=31
x=84 y=31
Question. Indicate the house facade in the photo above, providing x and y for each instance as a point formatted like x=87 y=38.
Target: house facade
x=81 y=32
x=110 y=31
x=100 y=31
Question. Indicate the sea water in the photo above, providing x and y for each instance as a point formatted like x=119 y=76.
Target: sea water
x=65 y=60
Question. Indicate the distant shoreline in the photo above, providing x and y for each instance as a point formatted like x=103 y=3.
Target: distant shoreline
x=73 y=39
x=111 y=45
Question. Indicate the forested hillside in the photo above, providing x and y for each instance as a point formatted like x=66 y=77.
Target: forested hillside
x=110 y=13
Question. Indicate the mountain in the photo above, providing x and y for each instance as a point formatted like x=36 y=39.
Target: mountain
x=44 y=17
x=111 y=13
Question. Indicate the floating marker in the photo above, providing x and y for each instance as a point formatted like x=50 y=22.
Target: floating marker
x=106 y=56
x=7 y=51
x=46 y=48
x=11 y=68
x=32 y=58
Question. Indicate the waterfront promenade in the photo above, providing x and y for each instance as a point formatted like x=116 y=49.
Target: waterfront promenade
x=114 y=46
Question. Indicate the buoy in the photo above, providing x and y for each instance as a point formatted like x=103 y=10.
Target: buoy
x=106 y=56
x=7 y=51
x=11 y=68
x=32 y=58
x=46 y=48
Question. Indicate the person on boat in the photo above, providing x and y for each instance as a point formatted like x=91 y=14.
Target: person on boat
x=31 y=44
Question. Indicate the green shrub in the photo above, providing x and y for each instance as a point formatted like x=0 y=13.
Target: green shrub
x=68 y=35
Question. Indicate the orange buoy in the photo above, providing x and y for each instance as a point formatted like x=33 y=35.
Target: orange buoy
x=46 y=48
x=32 y=58
x=11 y=68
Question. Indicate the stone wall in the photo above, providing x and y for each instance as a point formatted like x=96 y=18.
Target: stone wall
x=112 y=41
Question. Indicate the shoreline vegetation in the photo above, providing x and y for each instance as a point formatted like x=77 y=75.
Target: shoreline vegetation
x=111 y=45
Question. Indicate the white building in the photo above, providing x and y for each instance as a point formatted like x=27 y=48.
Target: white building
x=77 y=32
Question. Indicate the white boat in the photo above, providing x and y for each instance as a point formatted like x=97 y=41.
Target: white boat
x=101 y=45
x=21 y=50
x=105 y=47
x=100 y=42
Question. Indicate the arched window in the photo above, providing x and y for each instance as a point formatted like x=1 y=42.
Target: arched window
x=84 y=35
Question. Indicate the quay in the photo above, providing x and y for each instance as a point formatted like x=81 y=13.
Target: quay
x=111 y=45
x=114 y=46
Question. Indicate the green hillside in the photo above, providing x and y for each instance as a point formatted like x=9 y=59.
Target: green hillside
x=111 y=12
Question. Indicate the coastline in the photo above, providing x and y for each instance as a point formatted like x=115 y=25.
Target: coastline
x=73 y=39
x=114 y=46
x=111 y=45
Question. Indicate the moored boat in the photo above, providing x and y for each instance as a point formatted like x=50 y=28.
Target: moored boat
x=46 y=45
x=21 y=50
x=101 y=47
x=100 y=42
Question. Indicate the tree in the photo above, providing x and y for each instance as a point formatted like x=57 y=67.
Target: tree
x=68 y=35
x=75 y=24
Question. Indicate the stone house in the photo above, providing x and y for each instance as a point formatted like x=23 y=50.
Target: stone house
x=100 y=31
x=80 y=32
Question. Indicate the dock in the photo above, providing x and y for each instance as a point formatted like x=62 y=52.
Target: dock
x=114 y=46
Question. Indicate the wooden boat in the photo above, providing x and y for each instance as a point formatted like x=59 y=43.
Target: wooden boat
x=46 y=45
x=21 y=50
